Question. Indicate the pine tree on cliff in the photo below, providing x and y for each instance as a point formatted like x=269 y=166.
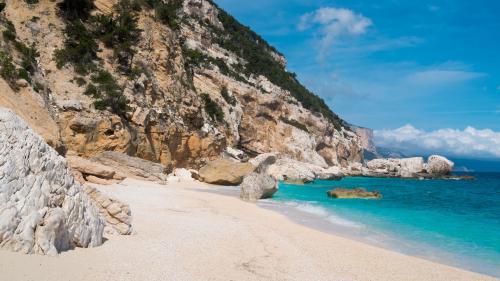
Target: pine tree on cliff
x=76 y=9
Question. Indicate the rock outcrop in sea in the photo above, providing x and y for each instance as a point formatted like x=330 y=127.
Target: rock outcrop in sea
x=43 y=210
x=415 y=167
x=439 y=165
x=355 y=193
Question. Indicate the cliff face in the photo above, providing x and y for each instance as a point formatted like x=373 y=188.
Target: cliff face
x=170 y=81
x=366 y=138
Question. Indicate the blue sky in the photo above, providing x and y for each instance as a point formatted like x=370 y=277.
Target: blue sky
x=430 y=64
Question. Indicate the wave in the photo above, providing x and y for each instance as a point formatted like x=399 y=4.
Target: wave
x=341 y=221
x=312 y=208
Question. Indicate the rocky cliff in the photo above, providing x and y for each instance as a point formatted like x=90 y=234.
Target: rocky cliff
x=366 y=137
x=175 y=82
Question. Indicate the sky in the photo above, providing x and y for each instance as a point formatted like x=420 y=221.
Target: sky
x=422 y=74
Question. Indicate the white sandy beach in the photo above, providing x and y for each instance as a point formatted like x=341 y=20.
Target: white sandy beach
x=184 y=232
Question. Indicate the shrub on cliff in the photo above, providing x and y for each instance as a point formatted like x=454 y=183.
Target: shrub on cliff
x=120 y=33
x=167 y=12
x=80 y=48
x=76 y=9
x=8 y=69
x=212 y=108
x=107 y=93
x=227 y=97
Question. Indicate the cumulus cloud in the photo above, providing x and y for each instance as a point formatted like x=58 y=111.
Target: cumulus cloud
x=470 y=142
x=333 y=23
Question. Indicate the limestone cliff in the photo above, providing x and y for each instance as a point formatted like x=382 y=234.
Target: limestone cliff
x=174 y=81
x=366 y=137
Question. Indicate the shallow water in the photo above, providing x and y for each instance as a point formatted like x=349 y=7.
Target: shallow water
x=453 y=222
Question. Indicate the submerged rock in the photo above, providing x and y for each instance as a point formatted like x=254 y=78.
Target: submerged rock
x=43 y=210
x=356 y=193
x=225 y=172
x=258 y=186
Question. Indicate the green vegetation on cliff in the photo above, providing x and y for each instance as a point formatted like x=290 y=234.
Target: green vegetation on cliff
x=107 y=93
x=80 y=48
x=212 y=108
x=76 y=9
x=28 y=56
x=120 y=32
x=242 y=41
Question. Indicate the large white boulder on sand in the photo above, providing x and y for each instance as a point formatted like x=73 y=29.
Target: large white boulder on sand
x=439 y=165
x=43 y=210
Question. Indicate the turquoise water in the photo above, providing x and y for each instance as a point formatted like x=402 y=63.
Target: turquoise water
x=454 y=222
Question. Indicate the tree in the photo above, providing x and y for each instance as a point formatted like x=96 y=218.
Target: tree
x=76 y=9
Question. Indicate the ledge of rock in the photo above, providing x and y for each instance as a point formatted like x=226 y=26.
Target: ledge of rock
x=86 y=170
x=356 y=193
x=225 y=172
x=117 y=214
x=43 y=210
x=258 y=186
x=132 y=166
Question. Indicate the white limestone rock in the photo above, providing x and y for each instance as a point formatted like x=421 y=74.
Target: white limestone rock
x=293 y=170
x=258 y=186
x=289 y=169
x=180 y=175
x=263 y=161
x=384 y=165
x=117 y=214
x=439 y=165
x=236 y=154
x=43 y=210
x=411 y=166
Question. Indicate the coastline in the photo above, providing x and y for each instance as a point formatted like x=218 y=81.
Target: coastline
x=188 y=231
x=318 y=218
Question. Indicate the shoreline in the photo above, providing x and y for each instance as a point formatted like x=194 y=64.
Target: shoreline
x=187 y=231
x=319 y=218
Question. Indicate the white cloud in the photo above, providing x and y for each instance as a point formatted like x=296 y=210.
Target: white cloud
x=334 y=22
x=441 y=77
x=470 y=142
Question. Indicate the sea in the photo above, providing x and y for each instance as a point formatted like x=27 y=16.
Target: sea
x=454 y=222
